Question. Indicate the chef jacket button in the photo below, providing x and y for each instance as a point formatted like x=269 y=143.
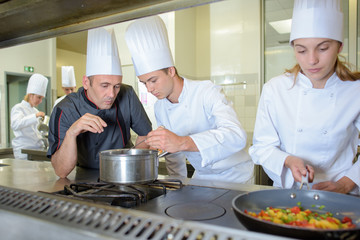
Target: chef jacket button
x=324 y=132
x=299 y=130
x=331 y=95
x=305 y=92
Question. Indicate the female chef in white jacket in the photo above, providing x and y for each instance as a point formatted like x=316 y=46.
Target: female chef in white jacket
x=308 y=119
x=199 y=122
x=24 y=117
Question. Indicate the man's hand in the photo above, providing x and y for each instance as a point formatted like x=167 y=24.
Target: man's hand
x=87 y=123
x=168 y=141
x=299 y=168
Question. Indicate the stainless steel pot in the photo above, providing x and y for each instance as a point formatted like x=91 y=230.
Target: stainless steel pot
x=129 y=166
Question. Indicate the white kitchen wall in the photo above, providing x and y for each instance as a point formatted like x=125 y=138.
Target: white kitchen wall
x=235 y=55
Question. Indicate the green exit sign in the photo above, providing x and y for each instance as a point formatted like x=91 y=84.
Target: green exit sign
x=28 y=69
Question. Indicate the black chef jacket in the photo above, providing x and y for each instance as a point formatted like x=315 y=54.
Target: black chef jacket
x=126 y=112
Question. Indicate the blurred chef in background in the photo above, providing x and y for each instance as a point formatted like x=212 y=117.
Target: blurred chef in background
x=198 y=121
x=68 y=82
x=100 y=114
x=25 y=117
x=308 y=119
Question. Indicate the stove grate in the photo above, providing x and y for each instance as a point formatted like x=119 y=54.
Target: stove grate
x=123 y=195
x=105 y=221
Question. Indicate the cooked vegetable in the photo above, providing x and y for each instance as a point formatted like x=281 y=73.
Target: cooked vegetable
x=298 y=217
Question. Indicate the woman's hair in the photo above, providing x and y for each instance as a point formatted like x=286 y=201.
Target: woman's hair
x=26 y=97
x=342 y=69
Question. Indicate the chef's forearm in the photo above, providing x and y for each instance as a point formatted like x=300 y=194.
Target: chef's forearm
x=65 y=158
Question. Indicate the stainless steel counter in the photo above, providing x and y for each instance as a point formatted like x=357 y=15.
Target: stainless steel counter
x=40 y=176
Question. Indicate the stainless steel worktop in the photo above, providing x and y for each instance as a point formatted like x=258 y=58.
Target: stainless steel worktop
x=40 y=176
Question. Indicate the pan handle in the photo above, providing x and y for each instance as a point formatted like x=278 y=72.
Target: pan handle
x=305 y=180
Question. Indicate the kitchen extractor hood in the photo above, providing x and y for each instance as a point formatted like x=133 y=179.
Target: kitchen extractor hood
x=31 y=20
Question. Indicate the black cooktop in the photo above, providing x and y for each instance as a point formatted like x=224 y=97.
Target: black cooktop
x=196 y=203
x=186 y=202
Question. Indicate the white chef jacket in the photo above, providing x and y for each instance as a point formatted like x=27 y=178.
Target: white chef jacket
x=59 y=100
x=321 y=126
x=204 y=114
x=24 y=125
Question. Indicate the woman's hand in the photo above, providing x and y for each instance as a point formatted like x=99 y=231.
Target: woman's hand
x=40 y=114
x=299 y=168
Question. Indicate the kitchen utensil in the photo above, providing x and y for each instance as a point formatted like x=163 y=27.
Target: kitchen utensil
x=43 y=129
x=339 y=204
x=129 y=165
x=137 y=144
x=43 y=125
x=143 y=140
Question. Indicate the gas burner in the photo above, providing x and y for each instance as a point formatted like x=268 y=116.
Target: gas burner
x=123 y=195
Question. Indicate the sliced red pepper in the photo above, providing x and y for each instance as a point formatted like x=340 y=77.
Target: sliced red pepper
x=295 y=209
x=346 y=220
x=330 y=220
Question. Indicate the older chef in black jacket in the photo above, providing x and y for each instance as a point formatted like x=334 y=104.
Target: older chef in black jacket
x=99 y=116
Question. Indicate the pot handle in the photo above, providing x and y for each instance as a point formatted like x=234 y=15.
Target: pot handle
x=159 y=156
x=163 y=154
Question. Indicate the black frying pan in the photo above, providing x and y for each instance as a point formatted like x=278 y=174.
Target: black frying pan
x=339 y=204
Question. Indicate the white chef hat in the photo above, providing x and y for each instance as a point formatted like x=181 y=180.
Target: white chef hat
x=148 y=43
x=37 y=85
x=102 y=53
x=317 y=19
x=68 y=76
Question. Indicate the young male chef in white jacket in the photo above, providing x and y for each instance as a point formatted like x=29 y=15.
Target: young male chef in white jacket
x=197 y=120
x=68 y=82
x=25 y=117
x=308 y=119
